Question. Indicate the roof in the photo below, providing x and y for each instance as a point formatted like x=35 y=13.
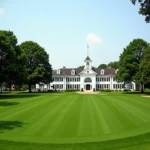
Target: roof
x=67 y=71
x=87 y=58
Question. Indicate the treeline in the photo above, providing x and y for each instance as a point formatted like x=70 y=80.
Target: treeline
x=134 y=63
x=27 y=63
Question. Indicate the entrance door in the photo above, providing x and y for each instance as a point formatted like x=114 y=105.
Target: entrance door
x=88 y=86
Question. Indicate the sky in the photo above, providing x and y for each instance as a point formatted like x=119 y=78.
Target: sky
x=65 y=27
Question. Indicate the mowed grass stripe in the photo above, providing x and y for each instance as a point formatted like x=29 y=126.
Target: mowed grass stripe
x=101 y=126
x=122 y=116
x=24 y=103
x=107 y=112
x=128 y=112
x=41 y=125
x=22 y=110
x=31 y=118
x=138 y=102
x=86 y=118
x=110 y=114
x=137 y=113
x=66 y=123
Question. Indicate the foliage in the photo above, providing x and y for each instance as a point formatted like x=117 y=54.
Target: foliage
x=114 y=64
x=38 y=66
x=144 y=8
x=94 y=89
x=12 y=59
x=103 y=66
x=145 y=67
x=71 y=90
x=130 y=60
x=81 y=67
x=106 y=90
x=82 y=90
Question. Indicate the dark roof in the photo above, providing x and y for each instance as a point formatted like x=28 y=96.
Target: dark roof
x=87 y=58
x=67 y=71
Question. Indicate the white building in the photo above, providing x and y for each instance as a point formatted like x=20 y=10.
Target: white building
x=87 y=78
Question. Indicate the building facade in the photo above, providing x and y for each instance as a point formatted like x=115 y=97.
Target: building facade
x=87 y=78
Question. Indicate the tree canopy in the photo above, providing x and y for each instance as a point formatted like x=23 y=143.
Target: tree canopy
x=114 y=64
x=130 y=61
x=12 y=59
x=144 y=8
x=103 y=66
x=145 y=66
x=80 y=67
x=38 y=66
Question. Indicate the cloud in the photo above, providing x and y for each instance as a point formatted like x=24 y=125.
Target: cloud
x=2 y=11
x=93 y=39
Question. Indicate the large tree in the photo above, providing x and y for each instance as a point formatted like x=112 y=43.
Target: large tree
x=38 y=66
x=130 y=61
x=12 y=59
x=103 y=66
x=114 y=64
x=145 y=67
x=144 y=8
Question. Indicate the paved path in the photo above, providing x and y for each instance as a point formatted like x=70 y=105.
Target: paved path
x=88 y=92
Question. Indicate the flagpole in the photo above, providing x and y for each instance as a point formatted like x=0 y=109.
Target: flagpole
x=87 y=49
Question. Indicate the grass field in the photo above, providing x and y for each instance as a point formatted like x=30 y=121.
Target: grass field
x=111 y=120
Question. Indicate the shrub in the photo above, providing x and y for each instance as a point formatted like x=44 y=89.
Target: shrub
x=126 y=90
x=81 y=89
x=107 y=90
x=70 y=90
x=50 y=91
x=94 y=89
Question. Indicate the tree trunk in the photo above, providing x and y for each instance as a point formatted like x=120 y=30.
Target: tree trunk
x=1 y=88
x=30 y=88
x=142 y=88
x=10 y=87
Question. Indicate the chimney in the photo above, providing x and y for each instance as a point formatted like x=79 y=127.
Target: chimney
x=64 y=67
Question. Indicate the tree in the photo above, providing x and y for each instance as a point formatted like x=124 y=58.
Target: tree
x=144 y=8
x=145 y=67
x=130 y=61
x=11 y=59
x=103 y=66
x=38 y=66
x=81 y=67
x=114 y=64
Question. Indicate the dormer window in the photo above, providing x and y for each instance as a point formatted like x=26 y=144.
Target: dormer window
x=116 y=71
x=72 y=72
x=102 y=72
x=58 y=71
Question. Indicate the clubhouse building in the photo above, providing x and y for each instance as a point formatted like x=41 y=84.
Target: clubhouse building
x=87 y=78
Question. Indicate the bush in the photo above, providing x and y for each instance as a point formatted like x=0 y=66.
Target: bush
x=81 y=89
x=94 y=89
x=70 y=90
x=126 y=90
x=39 y=90
x=50 y=91
x=107 y=90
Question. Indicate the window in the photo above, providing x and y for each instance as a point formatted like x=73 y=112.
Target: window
x=114 y=79
x=88 y=80
x=72 y=72
x=102 y=72
x=58 y=71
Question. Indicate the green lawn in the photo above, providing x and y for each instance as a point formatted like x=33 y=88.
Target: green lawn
x=66 y=121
